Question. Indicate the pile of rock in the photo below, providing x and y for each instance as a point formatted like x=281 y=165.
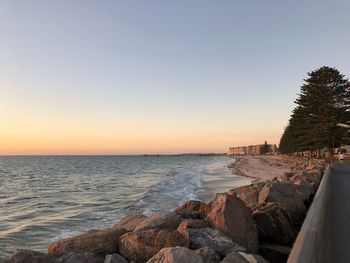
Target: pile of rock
x=260 y=218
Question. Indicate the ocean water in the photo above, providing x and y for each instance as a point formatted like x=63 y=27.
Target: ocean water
x=45 y=198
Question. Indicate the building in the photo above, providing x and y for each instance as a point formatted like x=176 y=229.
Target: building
x=253 y=149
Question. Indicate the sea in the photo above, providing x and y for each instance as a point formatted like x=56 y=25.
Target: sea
x=46 y=198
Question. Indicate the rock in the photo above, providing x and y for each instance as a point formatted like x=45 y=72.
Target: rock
x=95 y=241
x=285 y=195
x=130 y=222
x=192 y=223
x=189 y=214
x=71 y=257
x=162 y=220
x=305 y=190
x=141 y=246
x=208 y=255
x=28 y=256
x=230 y=215
x=249 y=194
x=273 y=223
x=213 y=238
x=253 y=258
x=281 y=179
x=234 y=257
x=195 y=205
x=275 y=253
x=176 y=255
x=115 y=258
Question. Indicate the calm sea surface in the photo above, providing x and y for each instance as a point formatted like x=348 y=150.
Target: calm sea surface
x=45 y=198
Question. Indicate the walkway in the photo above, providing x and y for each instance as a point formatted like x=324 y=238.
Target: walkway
x=339 y=213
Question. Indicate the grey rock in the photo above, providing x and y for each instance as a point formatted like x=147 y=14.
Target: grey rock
x=273 y=223
x=234 y=257
x=213 y=238
x=285 y=195
x=115 y=258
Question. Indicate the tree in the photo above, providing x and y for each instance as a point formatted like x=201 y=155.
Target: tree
x=322 y=115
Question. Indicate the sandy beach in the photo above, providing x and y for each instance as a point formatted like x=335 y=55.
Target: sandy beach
x=260 y=167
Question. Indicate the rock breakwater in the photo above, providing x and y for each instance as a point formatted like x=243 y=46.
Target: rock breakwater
x=253 y=223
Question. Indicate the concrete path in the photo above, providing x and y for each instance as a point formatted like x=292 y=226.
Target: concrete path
x=339 y=213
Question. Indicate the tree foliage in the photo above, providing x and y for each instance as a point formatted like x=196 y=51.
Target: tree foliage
x=321 y=117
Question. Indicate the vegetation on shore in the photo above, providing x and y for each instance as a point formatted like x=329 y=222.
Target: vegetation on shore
x=321 y=118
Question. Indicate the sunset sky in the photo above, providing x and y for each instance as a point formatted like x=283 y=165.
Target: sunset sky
x=133 y=77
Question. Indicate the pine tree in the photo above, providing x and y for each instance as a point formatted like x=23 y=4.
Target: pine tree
x=322 y=115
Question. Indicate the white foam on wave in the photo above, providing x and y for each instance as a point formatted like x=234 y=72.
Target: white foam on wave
x=65 y=233
x=178 y=186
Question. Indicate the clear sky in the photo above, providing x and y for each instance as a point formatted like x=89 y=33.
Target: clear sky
x=129 y=77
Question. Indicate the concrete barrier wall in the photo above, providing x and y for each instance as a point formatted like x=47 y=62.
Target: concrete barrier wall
x=312 y=244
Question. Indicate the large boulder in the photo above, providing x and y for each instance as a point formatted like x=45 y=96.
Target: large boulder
x=29 y=256
x=229 y=214
x=162 y=220
x=141 y=246
x=103 y=241
x=115 y=258
x=194 y=205
x=176 y=255
x=273 y=223
x=208 y=255
x=130 y=222
x=234 y=257
x=285 y=195
x=249 y=194
x=305 y=190
x=213 y=238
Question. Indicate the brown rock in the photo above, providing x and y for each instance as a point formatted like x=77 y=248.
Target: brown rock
x=192 y=223
x=95 y=241
x=208 y=255
x=195 y=205
x=249 y=194
x=130 y=222
x=162 y=220
x=273 y=223
x=141 y=246
x=229 y=214
x=285 y=195
x=234 y=257
x=176 y=255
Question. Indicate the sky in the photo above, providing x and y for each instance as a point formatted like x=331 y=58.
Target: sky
x=135 y=77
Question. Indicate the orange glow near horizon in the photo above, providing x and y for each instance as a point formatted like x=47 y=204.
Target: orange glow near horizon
x=29 y=142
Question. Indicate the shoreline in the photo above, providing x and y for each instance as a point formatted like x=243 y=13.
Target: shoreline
x=260 y=168
x=281 y=185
